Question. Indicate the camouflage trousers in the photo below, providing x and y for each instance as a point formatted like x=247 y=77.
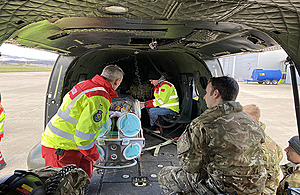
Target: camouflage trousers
x=174 y=180
x=73 y=182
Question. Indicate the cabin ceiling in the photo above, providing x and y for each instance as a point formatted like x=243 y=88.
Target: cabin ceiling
x=209 y=28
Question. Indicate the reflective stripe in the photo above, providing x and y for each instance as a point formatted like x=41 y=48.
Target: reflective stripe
x=69 y=107
x=86 y=147
x=1 y=157
x=171 y=104
x=60 y=133
x=159 y=101
x=2 y=121
x=65 y=116
x=1 y=133
x=91 y=166
x=173 y=97
x=174 y=91
x=169 y=83
x=85 y=136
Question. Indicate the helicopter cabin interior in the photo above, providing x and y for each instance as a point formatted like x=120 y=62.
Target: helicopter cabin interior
x=186 y=71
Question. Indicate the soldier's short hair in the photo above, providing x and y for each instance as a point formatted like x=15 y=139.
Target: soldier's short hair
x=112 y=73
x=227 y=87
x=252 y=110
x=295 y=143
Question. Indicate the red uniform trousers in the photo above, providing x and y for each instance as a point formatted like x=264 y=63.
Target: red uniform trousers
x=67 y=158
x=1 y=158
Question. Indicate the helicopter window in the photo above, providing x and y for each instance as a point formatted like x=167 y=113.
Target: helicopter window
x=203 y=82
x=195 y=91
x=214 y=68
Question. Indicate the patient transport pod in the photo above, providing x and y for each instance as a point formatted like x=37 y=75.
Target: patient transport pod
x=122 y=140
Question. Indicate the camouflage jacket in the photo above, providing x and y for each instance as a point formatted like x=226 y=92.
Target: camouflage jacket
x=272 y=156
x=291 y=177
x=226 y=143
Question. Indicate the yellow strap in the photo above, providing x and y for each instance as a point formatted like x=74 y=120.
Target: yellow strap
x=157 y=147
x=156 y=151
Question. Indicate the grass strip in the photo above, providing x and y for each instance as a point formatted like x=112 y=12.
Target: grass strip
x=25 y=69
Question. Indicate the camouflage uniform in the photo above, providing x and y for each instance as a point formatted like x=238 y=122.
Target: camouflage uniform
x=220 y=151
x=69 y=180
x=291 y=173
x=272 y=156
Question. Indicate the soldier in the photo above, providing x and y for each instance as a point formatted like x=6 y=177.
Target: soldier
x=69 y=137
x=220 y=151
x=273 y=153
x=291 y=171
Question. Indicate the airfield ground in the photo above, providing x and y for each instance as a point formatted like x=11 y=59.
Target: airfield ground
x=23 y=96
x=24 y=67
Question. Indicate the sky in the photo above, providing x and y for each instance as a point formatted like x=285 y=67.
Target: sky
x=13 y=50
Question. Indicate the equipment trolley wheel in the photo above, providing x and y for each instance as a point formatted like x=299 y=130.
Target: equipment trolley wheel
x=267 y=82
x=274 y=82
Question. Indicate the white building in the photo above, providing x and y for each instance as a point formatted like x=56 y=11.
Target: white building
x=241 y=66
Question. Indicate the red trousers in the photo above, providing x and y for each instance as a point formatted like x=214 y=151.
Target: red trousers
x=1 y=158
x=67 y=158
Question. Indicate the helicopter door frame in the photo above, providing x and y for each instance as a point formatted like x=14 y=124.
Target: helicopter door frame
x=55 y=85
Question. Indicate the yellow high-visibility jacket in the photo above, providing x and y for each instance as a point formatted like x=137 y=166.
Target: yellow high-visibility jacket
x=2 y=120
x=80 y=118
x=165 y=97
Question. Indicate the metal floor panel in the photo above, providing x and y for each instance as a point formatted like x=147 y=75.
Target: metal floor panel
x=119 y=181
x=150 y=169
x=125 y=189
x=116 y=175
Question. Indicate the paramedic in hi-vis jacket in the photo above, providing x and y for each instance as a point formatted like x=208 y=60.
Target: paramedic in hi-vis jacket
x=166 y=99
x=2 y=120
x=70 y=135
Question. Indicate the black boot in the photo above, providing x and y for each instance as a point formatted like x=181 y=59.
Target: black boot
x=2 y=165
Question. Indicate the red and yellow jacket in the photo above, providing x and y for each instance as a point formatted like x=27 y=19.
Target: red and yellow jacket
x=80 y=118
x=165 y=97
x=2 y=120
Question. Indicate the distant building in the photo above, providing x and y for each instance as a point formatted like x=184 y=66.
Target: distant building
x=241 y=66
